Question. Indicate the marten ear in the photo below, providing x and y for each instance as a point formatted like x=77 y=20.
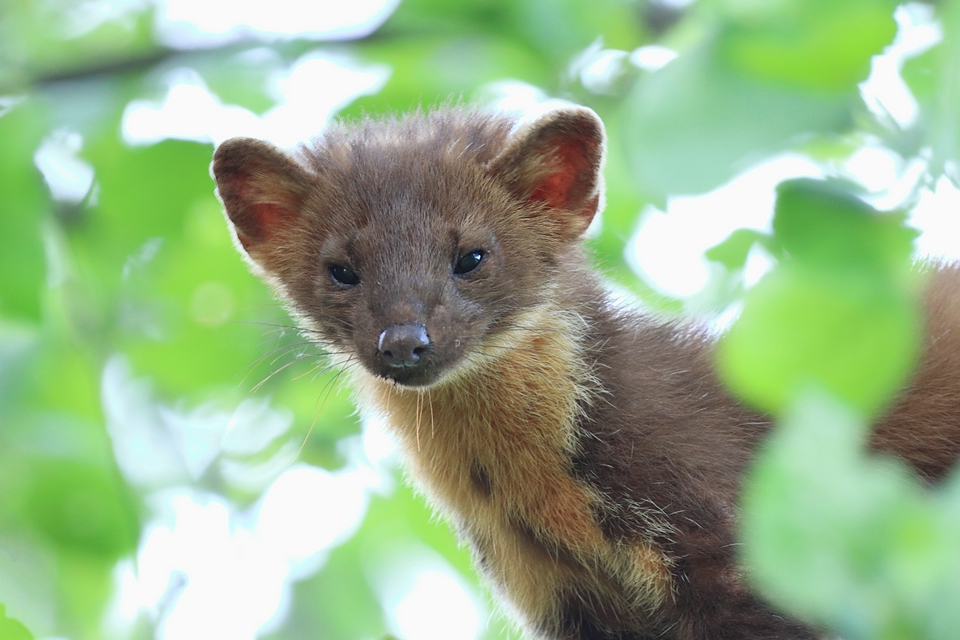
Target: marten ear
x=555 y=163
x=262 y=190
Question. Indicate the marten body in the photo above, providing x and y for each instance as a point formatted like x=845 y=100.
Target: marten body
x=586 y=452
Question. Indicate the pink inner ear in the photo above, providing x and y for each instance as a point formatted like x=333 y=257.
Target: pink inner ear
x=556 y=188
x=265 y=218
x=256 y=220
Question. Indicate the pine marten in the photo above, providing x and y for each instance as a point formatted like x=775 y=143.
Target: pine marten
x=586 y=452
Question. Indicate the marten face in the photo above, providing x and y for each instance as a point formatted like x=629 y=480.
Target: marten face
x=406 y=246
x=407 y=283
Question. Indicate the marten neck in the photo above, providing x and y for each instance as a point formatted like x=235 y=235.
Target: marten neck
x=493 y=449
x=508 y=419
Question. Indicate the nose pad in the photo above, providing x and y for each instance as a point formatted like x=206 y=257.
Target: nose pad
x=403 y=345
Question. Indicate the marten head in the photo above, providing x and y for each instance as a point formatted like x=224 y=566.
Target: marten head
x=405 y=245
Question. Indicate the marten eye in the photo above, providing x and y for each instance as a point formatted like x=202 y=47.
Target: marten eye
x=468 y=262
x=343 y=276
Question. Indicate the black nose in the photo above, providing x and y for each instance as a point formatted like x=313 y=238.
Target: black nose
x=402 y=345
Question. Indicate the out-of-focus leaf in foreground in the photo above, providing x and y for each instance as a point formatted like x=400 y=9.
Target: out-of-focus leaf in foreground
x=934 y=80
x=761 y=78
x=816 y=44
x=11 y=629
x=695 y=123
x=850 y=542
x=21 y=209
x=838 y=310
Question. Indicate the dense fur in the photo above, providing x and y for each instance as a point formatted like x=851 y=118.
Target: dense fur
x=586 y=452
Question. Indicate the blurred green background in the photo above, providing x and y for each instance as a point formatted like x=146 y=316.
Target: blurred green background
x=176 y=462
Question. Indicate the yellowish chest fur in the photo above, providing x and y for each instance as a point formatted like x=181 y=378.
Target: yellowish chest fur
x=492 y=450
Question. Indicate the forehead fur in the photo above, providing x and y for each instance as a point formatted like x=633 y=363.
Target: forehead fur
x=421 y=171
x=458 y=133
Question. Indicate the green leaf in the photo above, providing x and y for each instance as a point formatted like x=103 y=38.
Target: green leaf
x=18 y=347
x=799 y=326
x=816 y=44
x=845 y=540
x=822 y=224
x=25 y=203
x=562 y=28
x=417 y=16
x=433 y=69
x=933 y=79
x=697 y=122
x=145 y=192
x=40 y=40
x=733 y=251
x=81 y=507
x=550 y=29
x=838 y=310
x=11 y=629
x=243 y=78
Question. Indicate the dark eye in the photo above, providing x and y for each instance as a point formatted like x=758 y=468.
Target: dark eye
x=468 y=262
x=343 y=276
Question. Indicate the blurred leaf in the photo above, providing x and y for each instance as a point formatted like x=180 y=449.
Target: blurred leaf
x=419 y=16
x=11 y=629
x=57 y=471
x=82 y=507
x=92 y=106
x=430 y=69
x=816 y=44
x=554 y=30
x=732 y=252
x=934 y=79
x=324 y=409
x=59 y=477
x=620 y=216
x=145 y=192
x=823 y=224
x=847 y=541
x=87 y=584
x=25 y=203
x=64 y=378
x=169 y=272
x=337 y=603
x=697 y=122
x=192 y=294
x=243 y=78
x=18 y=347
x=853 y=336
x=562 y=28
x=71 y=37
x=837 y=310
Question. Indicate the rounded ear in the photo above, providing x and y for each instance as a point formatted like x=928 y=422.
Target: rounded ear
x=554 y=163
x=262 y=190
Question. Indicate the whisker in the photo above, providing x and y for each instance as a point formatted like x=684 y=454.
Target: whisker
x=263 y=305
x=510 y=348
x=281 y=352
x=283 y=326
x=419 y=400
x=275 y=372
x=318 y=370
x=265 y=323
x=250 y=368
x=322 y=399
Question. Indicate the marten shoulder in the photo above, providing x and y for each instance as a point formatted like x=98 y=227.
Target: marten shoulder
x=586 y=452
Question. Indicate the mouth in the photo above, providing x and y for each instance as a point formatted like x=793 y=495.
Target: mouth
x=412 y=377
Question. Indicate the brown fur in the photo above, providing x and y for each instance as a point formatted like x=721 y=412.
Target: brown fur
x=586 y=452
x=922 y=425
x=531 y=521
